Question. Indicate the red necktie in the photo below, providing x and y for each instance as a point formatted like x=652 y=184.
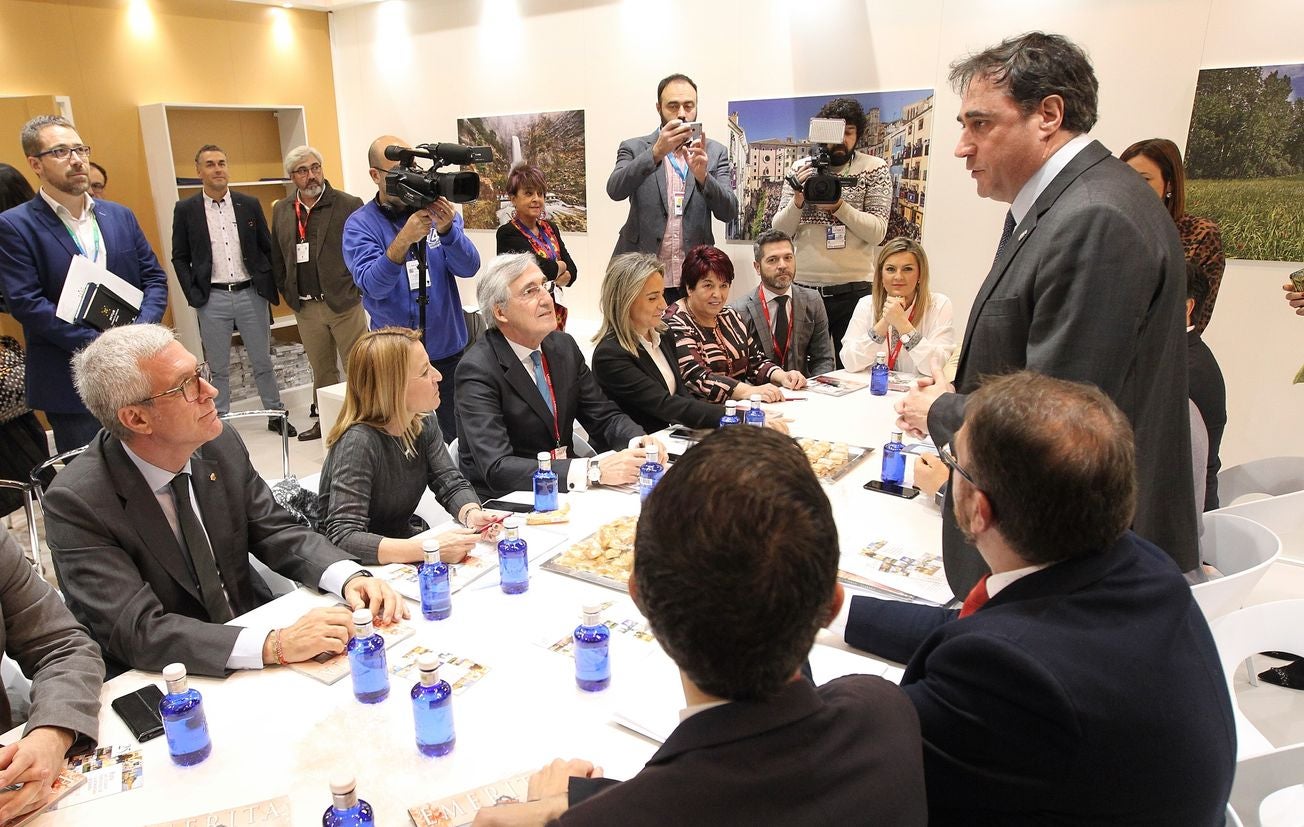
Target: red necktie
x=976 y=599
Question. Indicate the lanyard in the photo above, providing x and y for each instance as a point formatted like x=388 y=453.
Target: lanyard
x=547 y=376
x=680 y=167
x=765 y=308
x=896 y=349
x=95 y=225
x=302 y=219
x=545 y=244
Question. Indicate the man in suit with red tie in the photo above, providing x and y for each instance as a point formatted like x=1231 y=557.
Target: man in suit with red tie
x=221 y=248
x=1079 y=683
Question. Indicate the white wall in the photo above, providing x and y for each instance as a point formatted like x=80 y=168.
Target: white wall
x=412 y=67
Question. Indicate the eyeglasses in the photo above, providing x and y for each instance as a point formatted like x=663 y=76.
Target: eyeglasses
x=532 y=293
x=314 y=169
x=189 y=387
x=61 y=153
x=951 y=462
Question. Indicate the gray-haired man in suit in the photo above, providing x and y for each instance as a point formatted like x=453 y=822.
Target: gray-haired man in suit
x=152 y=527
x=790 y=320
x=1088 y=282
x=671 y=203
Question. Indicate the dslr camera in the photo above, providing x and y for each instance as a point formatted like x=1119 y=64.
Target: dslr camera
x=823 y=187
x=419 y=188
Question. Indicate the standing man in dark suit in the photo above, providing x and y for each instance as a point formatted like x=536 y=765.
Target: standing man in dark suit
x=37 y=243
x=671 y=203
x=522 y=386
x=221 y=249
x=756 y=742
x=789 y=320
x=1088 y=281
x=309 y=270
x=152 y=527
x=1079 y=684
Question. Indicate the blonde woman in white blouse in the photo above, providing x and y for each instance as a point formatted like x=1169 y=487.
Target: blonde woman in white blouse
x=901 y=317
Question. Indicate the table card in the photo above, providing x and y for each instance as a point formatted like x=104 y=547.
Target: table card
x=460 y=809
x=273 y=812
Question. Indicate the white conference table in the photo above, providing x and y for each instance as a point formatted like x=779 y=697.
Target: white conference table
x=277 y=732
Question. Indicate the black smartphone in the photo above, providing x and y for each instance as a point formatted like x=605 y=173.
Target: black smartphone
x=139 y=710
x=688 y=434
x=905 y=492
x=504 y=505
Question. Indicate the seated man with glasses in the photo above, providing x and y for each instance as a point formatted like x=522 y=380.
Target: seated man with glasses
x=522 y=386
x=152 y=527
x=38 y=242
x=1079 y=683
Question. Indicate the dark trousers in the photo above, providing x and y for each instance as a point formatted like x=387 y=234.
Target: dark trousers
x=839 y=306
x=446 y=413
x=72 y=430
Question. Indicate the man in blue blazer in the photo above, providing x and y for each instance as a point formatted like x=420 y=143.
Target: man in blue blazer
x=1079 y=683
x=37 y=243
x=671 y=203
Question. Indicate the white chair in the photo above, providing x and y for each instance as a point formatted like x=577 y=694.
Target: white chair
x=1281 y=770
x=282 y=415
x=29 y=511
x=1242 y=550
x=1272 y=476
x=1283 y=514
x=1245 y=632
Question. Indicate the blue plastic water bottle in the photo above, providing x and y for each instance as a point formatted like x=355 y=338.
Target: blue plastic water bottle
x=182 y=711
x=730 y=414
x=592 y=651
x=513 y=559
x=432 y=708
x=894 y=461
x=347 y=810
x=367 y=660
x=432 y=577
x=878 y=375
x=650 y=472
x=545 y=484
x=755 y=415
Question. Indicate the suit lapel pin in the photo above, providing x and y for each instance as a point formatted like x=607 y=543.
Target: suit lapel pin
x=212 y=477
x=1022 y=234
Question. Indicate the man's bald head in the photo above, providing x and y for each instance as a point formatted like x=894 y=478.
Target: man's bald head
x=376 y=153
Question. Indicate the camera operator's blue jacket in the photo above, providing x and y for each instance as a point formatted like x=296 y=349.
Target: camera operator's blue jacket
x=384 y=284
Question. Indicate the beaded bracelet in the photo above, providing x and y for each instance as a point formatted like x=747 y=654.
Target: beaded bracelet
x=276 y=648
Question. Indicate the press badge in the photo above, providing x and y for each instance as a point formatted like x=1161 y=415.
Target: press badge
x=301 y=252
x=679 y=204
x=835 y=237
x=559 y=452
x=414 y=275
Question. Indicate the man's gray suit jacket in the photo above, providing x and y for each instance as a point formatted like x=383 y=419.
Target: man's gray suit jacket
x=1090 y=287
x=810 y=349
x=643 y=181
x=127 y=579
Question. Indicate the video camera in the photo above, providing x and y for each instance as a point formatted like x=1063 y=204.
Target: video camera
x=420 y=188
x=822 y=187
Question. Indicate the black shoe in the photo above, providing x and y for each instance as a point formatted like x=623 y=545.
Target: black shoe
x=312 y=433
x=312 y=410
x=274 y=425
x=1290 y=676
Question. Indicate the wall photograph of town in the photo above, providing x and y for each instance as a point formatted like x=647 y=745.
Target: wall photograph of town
x=766 y=137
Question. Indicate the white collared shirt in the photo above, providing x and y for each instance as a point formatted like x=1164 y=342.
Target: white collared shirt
x=997 y=582
x=248 y=650
x=653 y=349
x=689 y=711
x=84 y=229
x=1041 y=178
x=224 y=237
x=773 y=307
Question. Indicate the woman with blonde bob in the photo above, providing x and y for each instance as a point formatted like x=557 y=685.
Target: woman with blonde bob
x=385 y=450
x=901 y=317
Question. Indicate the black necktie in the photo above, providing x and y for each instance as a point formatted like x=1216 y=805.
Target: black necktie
x=201 y=554
x=781 y=328
x=1005 y=235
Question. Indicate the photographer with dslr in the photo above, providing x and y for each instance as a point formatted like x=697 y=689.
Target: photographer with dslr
x=835 y=241
x=381 y=240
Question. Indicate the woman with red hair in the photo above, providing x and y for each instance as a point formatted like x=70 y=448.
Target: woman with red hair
x=718 y=355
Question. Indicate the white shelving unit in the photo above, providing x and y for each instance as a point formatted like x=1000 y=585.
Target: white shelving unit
x=254 y=138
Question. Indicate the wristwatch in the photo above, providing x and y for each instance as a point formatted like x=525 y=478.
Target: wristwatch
x=595 y=473
x=906 y=339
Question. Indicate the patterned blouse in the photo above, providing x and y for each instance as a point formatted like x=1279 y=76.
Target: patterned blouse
x=714 y=360
x=1202 y=244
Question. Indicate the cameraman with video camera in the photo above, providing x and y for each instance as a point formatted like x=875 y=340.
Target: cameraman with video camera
x=836 y=241
x=381 y=240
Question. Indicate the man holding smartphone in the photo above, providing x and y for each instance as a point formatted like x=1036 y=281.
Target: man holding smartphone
x=671 y=203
